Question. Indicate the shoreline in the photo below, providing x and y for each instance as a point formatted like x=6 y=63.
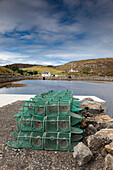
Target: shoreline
x=4 y=80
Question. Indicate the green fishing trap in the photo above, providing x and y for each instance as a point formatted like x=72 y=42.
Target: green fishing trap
x=62 y=123
x=27 y=140
x=30 y=123
x=57 y=124
x=47 y=141
x=56 y=108
x=57 y=141
x=50 y=121
x=47 y=123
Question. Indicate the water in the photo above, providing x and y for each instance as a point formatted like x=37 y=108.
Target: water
x=103 y=90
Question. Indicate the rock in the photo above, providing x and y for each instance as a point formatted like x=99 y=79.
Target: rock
x=104 y=121
x=100 y=139
x=109 y=148
x=92 y=106
x=105 y=133
x=94 y=142
x=82 y=154
x=103 y=118
x=87 y=99
x=108 y=162
x=0 y=151
x=86 y=121
x=98 y=121
x=91 y=130
x=103 y=152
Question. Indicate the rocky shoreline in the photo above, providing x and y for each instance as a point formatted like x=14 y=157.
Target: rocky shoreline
x=4 y=79
x=74 y=78
x=95 y=151
x=7 y=79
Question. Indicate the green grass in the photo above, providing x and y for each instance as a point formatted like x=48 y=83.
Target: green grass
x=6 y=71
x=41 y=69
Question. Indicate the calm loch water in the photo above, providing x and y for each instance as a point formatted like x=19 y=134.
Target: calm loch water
x=103 y=90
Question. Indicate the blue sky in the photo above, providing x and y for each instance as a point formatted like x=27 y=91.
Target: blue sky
x=55 y=31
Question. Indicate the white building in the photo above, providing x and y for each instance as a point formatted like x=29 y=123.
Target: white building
x=74 y=70
x=46 y=74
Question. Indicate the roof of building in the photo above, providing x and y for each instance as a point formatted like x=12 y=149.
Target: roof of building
x=74 y=69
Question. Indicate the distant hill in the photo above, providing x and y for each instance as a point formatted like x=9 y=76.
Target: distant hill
x=91 y=67
x=6 y=71
x=40 y=69
x=20 y=65
x=101 y=67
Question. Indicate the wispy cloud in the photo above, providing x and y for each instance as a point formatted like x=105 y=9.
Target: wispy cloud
x=55 y=32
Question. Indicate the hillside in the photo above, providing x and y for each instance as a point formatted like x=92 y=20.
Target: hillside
x=20 y=65
x=6 y=71
x=91 y=67
x=40 y=69
x=100 y=67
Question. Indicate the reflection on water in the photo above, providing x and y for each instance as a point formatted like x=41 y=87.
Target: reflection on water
x=9 y=85
x=102 y=90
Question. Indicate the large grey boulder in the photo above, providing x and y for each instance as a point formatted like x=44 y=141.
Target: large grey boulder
x=93 y=107
x=82 y=154
x=100 y=139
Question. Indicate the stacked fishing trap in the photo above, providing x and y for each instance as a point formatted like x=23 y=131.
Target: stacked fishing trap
x=49 y=121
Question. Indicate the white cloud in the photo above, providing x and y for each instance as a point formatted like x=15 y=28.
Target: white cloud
x=37 y=31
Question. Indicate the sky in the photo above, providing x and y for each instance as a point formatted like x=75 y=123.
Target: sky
x=54 y=32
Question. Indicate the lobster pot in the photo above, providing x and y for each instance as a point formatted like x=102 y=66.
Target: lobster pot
x=57 y=124
x=37 y=140
x=67 y=98
x=52 y=108
x=50 y=141
x=37 y=99
x=48 y=97
x=64 y=141
x=57 y=141
x=69 y=93
x=30 y=123
x=57 y=98
x=53 y=93
x=75 y=118
x=50 y=93
x=40 y=108
x=51 y=124
x=64 y=124
x=27 y=140
x=76 y=137
x=38 y=124
x=61 y=93
x=64 y=108
x=29 y=106
x=24 y=140
x=24 y=122
x=15 y=134
x=50 y=121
